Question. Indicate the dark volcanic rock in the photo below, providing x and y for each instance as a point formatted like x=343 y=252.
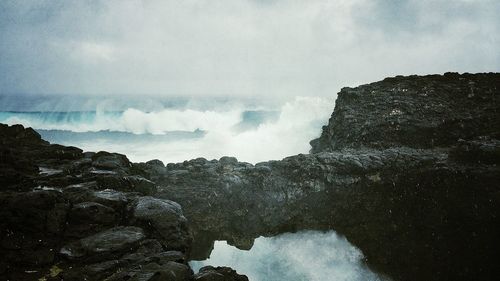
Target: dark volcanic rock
x=68 y=215
x=169 y=271
x=31 y=225
x=165 y=218
x=210 y=273
x=89 y=217
x=17 y=169
x=481 y=150
x=103 y=243
x=110 y=161
x=445 y=212
x=414 y=111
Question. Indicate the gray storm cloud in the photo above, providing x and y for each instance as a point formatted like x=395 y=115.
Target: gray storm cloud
x=237 y=47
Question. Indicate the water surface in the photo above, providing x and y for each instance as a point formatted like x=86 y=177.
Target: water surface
x=301 y=256
x=174 y=131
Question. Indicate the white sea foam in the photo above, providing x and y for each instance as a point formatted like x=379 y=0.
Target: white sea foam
x=297 y=122
x=306 y=255
x=131 y=119
x=139 y=122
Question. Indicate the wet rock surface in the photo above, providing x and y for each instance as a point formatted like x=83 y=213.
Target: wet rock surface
x=165 y=218
x=210 y=273
x=108 y=241
x=407 y=169
x=415 y=111
x=69 y=215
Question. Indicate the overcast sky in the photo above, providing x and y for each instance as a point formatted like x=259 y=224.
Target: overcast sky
x=237 y=47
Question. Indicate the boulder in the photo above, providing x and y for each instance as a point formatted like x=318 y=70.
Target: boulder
x=102 y=245
x=110 y=161
x=31 y=224
x=89 y=217
x=210 y=273
x=165 y=220
x=226 y=160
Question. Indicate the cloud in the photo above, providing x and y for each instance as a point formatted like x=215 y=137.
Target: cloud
x=92 y=52
x=277 y=48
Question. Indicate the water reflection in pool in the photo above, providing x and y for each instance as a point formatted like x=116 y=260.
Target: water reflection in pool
x=306 y=255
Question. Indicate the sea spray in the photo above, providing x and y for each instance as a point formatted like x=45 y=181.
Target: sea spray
x=301 y=256
x=252 y=132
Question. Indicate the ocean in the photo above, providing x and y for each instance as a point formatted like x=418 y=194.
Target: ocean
x=302 y=256
x=174 y=129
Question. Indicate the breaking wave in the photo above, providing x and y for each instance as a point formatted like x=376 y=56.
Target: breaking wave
x=251 y=133
x=302 y=256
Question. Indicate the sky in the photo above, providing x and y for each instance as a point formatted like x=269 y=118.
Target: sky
x=237 y=48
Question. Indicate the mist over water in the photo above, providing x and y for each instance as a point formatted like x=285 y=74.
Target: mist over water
x=176 y=130
x=302 y=256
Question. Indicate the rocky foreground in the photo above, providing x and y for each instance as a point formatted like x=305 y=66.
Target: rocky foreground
x=407 y=169
x=69 y=215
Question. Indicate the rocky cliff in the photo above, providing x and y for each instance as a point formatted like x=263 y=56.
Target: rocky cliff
x=416 y=111
x=407 y=169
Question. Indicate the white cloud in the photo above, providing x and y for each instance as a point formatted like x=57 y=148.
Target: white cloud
x=239 y=47
x=91 y=51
